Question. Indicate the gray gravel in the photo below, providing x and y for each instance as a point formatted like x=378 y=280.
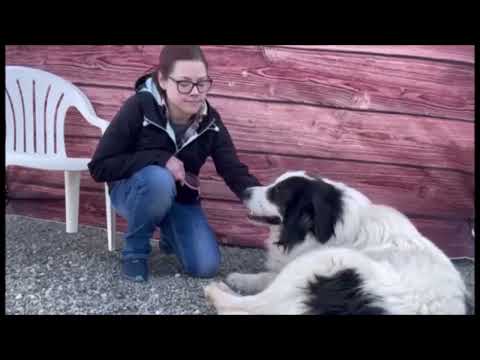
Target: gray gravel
x=51 y=272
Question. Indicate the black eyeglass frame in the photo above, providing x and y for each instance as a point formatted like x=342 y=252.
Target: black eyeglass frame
x=192 y=85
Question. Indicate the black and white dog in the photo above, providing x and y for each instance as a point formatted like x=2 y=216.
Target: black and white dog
x=331 y=251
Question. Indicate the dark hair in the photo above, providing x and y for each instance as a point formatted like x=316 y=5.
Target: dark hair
x=168 y=56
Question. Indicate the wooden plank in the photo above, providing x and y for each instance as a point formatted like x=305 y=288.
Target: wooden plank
x=463 y=53
x=324 y=78
x=350 y=135
x=428 y=192
x=372 y=82
x=320 y=132
x=231 y=225
x=46 y=202
x=104 y=65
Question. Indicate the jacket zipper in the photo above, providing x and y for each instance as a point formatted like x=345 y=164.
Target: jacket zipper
x=189 y=141
x=192 y=139
x=158 y=126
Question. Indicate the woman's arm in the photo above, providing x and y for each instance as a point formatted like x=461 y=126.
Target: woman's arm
x=115 y=158
x=231 y=169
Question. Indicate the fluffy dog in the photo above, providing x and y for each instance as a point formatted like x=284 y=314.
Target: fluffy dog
x=331 y=251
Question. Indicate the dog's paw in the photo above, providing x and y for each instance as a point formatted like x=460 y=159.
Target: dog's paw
x=209 y=291
x=238 y=281
x=216 y=288
x=224 y=287
x=218 y=294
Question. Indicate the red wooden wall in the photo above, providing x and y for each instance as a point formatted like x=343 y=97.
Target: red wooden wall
x=396 y=122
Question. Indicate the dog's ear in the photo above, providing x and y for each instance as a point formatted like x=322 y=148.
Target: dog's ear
x=316 y=209
x=326 y=212
x=297 y=221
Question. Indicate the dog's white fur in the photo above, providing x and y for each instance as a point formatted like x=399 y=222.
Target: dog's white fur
x=407 y=272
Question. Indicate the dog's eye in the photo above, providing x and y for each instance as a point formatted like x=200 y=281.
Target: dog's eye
x=274 y=193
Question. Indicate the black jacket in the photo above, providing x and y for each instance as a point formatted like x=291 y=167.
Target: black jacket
x=140 y=135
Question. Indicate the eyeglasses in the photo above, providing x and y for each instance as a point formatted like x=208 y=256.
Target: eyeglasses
x=186 y=86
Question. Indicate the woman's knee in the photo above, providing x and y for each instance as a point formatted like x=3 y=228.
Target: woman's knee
x=204 y=268
x=205 y=263
x=158 y=187
x=158 y=178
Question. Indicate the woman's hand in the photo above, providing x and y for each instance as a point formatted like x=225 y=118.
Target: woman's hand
x=176 y=168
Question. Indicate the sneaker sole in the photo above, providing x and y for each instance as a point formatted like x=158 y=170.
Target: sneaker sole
x=137 y=278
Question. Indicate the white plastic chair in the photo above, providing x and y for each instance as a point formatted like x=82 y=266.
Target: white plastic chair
x=36 y=102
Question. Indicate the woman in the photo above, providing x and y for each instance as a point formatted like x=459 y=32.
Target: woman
x=151 y=155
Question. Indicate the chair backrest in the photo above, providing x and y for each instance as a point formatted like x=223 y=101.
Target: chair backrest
x=36 y=103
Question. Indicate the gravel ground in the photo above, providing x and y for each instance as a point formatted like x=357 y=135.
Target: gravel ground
x=51 y=272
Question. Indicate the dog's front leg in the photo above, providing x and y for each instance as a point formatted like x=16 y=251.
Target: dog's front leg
x=250 y=283
x=225 y=301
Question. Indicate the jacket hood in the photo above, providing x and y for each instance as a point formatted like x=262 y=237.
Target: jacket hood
x=147 y=84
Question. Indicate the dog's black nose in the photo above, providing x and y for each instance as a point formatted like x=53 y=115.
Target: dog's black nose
x=247 y=194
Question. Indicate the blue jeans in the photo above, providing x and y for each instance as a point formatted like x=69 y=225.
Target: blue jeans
x=147 y=200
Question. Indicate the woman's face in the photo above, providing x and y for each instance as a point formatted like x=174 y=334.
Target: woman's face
x=183 y=99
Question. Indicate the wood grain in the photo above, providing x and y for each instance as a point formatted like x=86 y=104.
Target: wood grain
x=319 y=132
x=463 y=53
x=373 y=82
x=323 y=78
x=396 y=122
x=431 y=192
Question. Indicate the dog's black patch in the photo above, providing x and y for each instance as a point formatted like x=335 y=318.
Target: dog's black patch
x=307 y=206
x=340 y=294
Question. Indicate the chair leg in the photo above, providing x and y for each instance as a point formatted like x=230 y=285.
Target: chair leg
x=111 y=222
x=72 y=197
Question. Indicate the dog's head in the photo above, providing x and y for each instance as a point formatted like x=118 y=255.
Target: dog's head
x=300 y=204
